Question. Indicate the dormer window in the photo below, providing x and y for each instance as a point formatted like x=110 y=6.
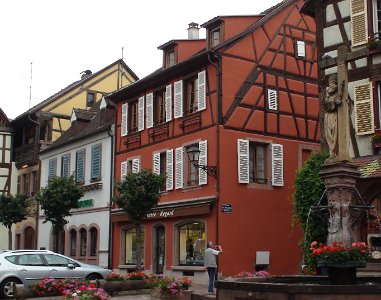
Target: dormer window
x=214 y=38
x=170 y=58
x=90 y=99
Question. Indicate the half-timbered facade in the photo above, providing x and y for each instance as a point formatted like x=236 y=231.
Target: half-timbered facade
x=349 y=34
x=8 y=174
x=246 y=100
x=41 y=125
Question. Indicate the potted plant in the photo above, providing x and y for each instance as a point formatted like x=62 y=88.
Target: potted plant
x=340 y=261
x=86 y=292
x=115 y=282
x=164 y=287
x=376 y=139
x=374 y=45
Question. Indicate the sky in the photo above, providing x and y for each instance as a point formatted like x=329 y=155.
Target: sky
x=46 y=44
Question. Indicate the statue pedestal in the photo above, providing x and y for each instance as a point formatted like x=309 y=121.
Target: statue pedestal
x=339 y=179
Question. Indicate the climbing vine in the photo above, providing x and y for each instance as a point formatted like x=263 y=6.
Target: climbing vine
x=309 y=189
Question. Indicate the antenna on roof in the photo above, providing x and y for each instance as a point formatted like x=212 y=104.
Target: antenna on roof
x=30 y=85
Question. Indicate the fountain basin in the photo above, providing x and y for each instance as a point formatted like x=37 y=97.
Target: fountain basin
x=297 y=287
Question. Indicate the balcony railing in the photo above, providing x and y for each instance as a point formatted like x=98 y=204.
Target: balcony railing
x=26 y=154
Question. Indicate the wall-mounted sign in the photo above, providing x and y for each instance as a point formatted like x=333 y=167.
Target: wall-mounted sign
x=226 y=208
x=85 y=203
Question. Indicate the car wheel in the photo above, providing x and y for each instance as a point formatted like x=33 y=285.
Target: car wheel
x=93 y=276
x=6 y=287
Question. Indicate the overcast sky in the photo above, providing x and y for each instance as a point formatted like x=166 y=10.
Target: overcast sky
x=60 y=39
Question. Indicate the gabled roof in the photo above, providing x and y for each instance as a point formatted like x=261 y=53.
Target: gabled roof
x=100 y=121
x=202 y=57
x=71 y=87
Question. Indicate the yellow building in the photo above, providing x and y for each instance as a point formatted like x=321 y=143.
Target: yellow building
x=45 y=122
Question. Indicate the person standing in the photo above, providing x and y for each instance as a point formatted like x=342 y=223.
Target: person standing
x=211 y=253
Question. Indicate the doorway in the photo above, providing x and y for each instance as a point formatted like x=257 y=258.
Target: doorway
x=160 y=249
x=29 y=237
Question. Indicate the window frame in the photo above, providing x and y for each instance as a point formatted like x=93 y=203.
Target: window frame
x=93 y=100
x=212 y=37
x=190 y=92
x=254 y=162
x=133 y=117
x=159 y=107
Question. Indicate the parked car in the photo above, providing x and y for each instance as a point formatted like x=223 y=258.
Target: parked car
x=28 y=266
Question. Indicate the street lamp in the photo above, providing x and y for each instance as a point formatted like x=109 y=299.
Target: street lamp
x=194 y=155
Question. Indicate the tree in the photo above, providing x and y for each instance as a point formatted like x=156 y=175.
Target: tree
x=309 y=189
x=138 y=193
x=13 y=209
x=57 y=199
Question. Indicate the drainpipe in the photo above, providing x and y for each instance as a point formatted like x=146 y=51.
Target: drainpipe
x=217 y=65
x=39 y=175
x=111 y=134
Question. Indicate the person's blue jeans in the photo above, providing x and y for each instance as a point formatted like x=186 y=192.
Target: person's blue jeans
x=211 y=273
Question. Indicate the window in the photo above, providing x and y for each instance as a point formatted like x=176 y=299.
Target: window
x=272 y=99
x=131 y=247
x=93 y=241
x=65 y=165
x=83 y=242
x=80 y=166
x=133 y=117
x=96 y=155
x=26 y=181
x=377 y=18
x=163 y=164
x=36 y=182
x=300 y=49
x=190 y=95
x=253 y=161
x=192 y=170
x=170 y=58
x=73 y=242
x=191 y=244
x=59 y=241
x=58 y=261
x=52 y=168
x=257 y=163
x=214 y=38
x=129 y=166
x=90 y=99
x=30 y=260
x=159 y=107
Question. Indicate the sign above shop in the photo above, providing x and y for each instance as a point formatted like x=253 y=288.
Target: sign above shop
x=85 y=203
x=226 y=208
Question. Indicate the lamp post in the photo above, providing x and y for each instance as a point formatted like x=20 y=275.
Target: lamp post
x=194 y=155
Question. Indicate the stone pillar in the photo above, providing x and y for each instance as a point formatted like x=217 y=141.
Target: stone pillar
x=339 y=179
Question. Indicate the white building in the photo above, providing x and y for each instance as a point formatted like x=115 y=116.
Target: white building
x=86 y=151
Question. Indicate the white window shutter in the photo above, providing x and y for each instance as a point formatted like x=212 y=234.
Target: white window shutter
x=169 y=170
x=203 y=160
x=149 y=110
x=168 y=103
x=123 y=170
x=141 y=114
x=301 y=48
x=156 y=163
x=124 y=119
x=178 y=99
x=179 y=168
x=272 y=99
x=277 y=164
x=363 y=102
x=201 y=95
x=136 y=165
x=243 y=160
x=359 y=22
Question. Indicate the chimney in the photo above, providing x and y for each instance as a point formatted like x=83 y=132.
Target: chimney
x=193 y=30
x=85 y=74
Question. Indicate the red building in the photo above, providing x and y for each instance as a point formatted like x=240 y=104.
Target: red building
x=246 y=98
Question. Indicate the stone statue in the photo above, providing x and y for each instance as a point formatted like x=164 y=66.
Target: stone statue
x=332 y=101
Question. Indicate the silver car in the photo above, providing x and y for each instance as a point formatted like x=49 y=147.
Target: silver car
x=28 y=266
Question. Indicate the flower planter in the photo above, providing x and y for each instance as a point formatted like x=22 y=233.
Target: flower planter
x=156 y=295
x=117 y=286
x=341 y=273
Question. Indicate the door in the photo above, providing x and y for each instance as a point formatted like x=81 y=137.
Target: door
x=160 y=249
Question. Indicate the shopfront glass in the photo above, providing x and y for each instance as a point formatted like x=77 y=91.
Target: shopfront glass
x=192 y=244
x=131 y=247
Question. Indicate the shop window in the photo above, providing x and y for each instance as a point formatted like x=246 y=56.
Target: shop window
x=83 y=242
x=93 y=241
x=131 y=246
x=192 y=244
x=73 y=242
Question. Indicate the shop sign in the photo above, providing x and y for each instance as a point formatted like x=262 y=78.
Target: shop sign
x=161 y=214
x=226 y=208
x=85 y=203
